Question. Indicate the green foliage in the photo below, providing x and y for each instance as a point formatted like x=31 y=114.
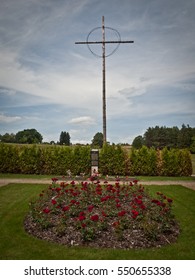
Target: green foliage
x=170 y=137
x=9 y=158
x=28 y=136
x=7 y=138
x=35 y=159
x=176 y=162
x=112 y=160
x=138 y=142
x=143 y=161
x=97 y=140
x=64 y=138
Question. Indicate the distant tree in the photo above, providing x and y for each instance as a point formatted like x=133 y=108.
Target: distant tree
x=8 y=138
x=192 y=147
x=185 y=136
x=97 y=140
x=28 y=136
x=64 y=138
x=170 y=137
x=138 y=142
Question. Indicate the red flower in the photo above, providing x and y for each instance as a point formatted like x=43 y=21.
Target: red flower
x=72 y=183
x=138 y=201
x=65 y=208
x=116 y=224
x=104 y=214
x=135 y=214
x=81 y=218
x=143 y=207
x=105 y=198
x=46 y=210
x=118 y=205
x=73 y=201
x=53 y=201
x=169 y=200
x=54 y=180
x=94 y=218
x=83 y=225
x=155 y=201
x=121 y=213
x=90 y=208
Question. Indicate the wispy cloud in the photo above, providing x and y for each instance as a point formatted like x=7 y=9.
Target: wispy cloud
x=84 y=120
x=9 y=119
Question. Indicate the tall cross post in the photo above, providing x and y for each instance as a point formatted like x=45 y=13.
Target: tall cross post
x=104 y=42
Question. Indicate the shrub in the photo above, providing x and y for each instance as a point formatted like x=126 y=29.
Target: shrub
x=143 y=161
x=176 y=162
x=112 y=160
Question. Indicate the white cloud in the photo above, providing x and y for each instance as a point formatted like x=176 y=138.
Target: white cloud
x=84 y=120
x=9 y=119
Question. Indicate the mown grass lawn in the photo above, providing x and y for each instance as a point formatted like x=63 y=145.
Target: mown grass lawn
x=15 y=243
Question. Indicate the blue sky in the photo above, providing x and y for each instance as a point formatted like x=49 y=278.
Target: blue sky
x=50 y=84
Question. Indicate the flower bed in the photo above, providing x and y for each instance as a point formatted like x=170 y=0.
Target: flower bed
x=118 y=215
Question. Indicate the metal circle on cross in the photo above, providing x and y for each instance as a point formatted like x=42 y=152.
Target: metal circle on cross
x=94 y=47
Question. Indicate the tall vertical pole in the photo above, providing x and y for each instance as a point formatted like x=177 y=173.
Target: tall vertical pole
x=103 y=81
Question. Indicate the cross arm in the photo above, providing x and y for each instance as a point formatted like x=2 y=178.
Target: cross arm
x=106 y=42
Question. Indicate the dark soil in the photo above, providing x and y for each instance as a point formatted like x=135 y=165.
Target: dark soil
x=131 y=238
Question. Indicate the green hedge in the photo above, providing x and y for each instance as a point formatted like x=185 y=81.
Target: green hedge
x=35 y=159
x=114 y=160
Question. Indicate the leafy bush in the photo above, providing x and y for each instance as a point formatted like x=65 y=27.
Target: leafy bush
x=176 y=162
x=112 y=160
x=143 y=161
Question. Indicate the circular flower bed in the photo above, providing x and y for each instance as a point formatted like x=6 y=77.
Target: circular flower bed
x=118 y=215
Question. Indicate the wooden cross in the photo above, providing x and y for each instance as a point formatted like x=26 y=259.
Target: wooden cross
x=104 y=42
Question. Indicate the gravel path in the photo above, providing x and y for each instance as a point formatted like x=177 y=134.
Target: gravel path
x=187 y=184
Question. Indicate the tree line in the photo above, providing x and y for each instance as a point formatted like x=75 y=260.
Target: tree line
x=32 y=136
x=170 y=137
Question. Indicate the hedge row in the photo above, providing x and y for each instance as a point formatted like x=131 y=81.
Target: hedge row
x=114 y=160
x=35 y=159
